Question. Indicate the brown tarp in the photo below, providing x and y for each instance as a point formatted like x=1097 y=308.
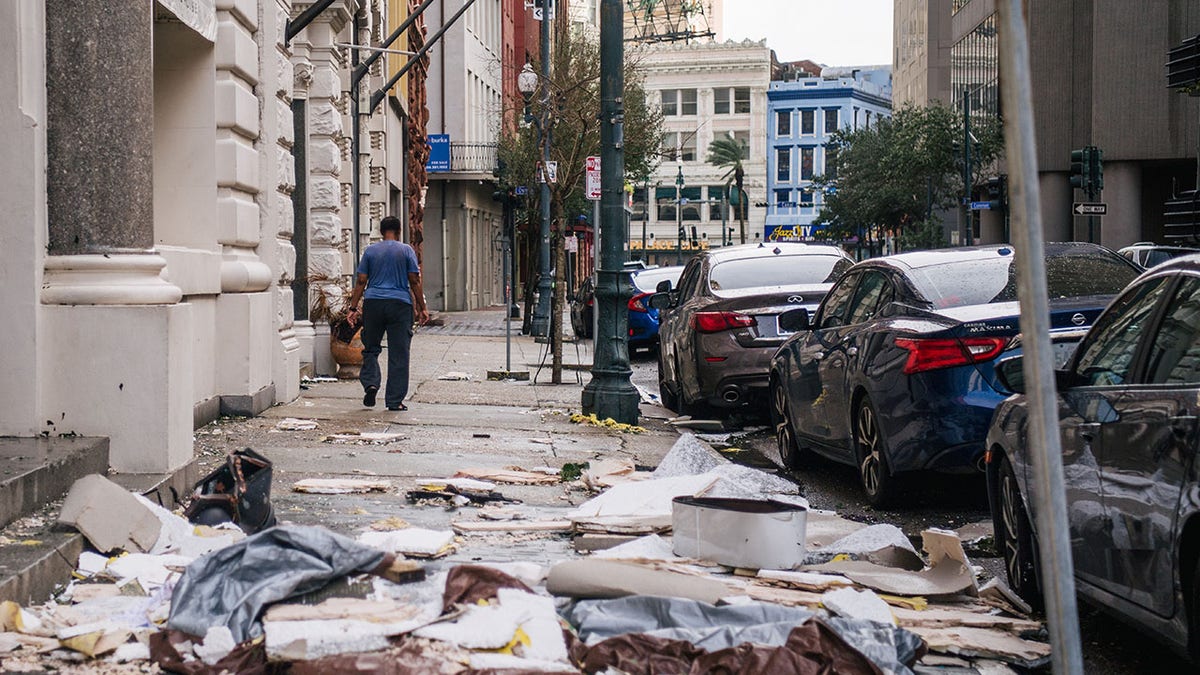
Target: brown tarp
x=468 y=584
x=248 y=658
x=811 y=649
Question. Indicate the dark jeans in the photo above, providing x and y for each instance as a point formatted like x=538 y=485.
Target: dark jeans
x=396 y=319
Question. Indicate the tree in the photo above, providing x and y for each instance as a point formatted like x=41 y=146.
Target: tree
x=893 y=176
x=726 y=152
x=572 y=120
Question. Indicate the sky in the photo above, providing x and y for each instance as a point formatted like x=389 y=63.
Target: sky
x=831 y=32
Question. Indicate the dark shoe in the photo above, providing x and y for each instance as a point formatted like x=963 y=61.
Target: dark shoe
x=369 y=397
x=399 y=408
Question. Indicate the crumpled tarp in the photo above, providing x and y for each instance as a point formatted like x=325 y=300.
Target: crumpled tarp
x=711 y=628
x=230 y=587
x=468 y=584
x=811 y=649
x=165 y=650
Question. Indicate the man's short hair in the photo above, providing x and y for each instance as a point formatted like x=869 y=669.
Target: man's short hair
x=389 y=223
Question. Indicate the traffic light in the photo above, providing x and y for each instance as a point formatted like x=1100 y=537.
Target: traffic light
x=1097 y=164
x=1081 y=167
x=997 y=192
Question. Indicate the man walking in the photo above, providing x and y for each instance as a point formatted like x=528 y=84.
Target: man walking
x=389 y=283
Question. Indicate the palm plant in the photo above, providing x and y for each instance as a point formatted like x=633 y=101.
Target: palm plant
x=726 y=152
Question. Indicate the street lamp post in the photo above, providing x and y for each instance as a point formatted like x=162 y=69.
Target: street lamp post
x=527 y=83
x=646 y=214
x=679 y=216
x=610 y=394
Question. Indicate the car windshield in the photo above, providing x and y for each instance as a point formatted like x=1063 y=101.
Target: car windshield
x=646 y=281
x=1158 y=256
x=979 y=282
x=783 y=270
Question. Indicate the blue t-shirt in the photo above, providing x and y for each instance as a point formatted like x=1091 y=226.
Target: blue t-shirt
x=387 y=265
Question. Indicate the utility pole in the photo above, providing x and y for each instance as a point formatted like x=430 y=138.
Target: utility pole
x=969 y=231
x=610 y=394
x=679 y=217
x=541 y=312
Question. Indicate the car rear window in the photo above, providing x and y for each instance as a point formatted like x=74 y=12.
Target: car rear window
x=1072 y=274
x=783 y=270
x=645 y=281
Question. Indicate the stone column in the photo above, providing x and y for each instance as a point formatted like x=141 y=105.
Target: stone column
x=301 y=79
x=328 y=251
x=117 y=345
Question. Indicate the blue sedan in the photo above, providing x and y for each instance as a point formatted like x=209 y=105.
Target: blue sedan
x=894 y=373
x=643 y=319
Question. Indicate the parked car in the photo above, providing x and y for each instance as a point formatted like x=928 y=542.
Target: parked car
x=1127 y=406
x=897 y=375
x=719 y=327
x=643 y=319
x=1147 y=254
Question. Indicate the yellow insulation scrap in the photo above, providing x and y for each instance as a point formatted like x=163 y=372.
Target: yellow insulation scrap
x=608 y=423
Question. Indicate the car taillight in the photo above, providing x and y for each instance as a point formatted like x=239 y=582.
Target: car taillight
x=935 y=353
x=715 y=322
x=635 y=303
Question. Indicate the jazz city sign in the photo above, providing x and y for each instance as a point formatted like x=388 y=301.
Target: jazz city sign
x=792 y=232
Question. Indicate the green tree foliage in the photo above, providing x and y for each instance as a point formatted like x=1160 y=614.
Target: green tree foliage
x=892 y=176
x=726 y=152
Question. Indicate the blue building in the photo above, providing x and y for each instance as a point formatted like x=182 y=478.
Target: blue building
x=802 y=115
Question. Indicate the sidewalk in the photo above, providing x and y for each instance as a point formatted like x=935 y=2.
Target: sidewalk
x=449 y=425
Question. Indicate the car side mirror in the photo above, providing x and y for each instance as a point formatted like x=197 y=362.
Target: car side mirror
x=1011 y=373
x=794 y=320
x=660 y=300
x=663 y=286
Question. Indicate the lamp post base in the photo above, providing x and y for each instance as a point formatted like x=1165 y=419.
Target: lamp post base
x=611 y=394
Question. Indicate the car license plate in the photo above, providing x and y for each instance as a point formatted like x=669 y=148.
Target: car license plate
x=1063 y=351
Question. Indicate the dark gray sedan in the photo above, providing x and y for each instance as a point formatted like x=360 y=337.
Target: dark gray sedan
x=719 y=327
x=1128 y=404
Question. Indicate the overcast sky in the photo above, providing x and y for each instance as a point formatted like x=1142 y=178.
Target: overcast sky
x=832 y=32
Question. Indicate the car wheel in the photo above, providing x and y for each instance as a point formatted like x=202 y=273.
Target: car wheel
x=1014 y=536
x=785 y=433
x=874 y=471
x=665 y=394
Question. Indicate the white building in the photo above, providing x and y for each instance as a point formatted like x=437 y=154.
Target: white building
x=156 y=226
x=706 y=91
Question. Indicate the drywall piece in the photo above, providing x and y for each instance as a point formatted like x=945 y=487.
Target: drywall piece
x=644 y=504
x=615 y=579
x=854 y=604
x=513 y=526
x=340 y=486
x=649 y=548
x=109 y=516
x=411 y=541
x=947 y=578
x=987 y=643
x=807 y=581
x=510 y=476
x=739 y=532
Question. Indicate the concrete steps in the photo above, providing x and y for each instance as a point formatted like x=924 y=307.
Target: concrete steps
x=35 y=471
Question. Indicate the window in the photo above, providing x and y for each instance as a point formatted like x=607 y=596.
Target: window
x=781 y=270
x=664 y=198
x=831 y=120
x=868 y=124
x=743 y=140
x=716 y=194
x=783 y=164
x=783 y=199
x=806 y=198
x=783 y=123
x=1175 y=355
x=873 y=292
x=834 y=307
x=1107 y=352
x=677 y=102
x=687 y=147
x=689 y=201
x=855 y=117
x=721 y=101
x=806 y=122
x=679 y=146
x=689 y=282
x=831 y=157
x=806 y=163
x=639 y=204
x=741 y=100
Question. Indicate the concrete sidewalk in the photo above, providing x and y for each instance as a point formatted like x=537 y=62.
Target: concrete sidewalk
x=450 y=425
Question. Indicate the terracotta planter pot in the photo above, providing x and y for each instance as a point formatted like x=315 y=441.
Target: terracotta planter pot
x=348 y=355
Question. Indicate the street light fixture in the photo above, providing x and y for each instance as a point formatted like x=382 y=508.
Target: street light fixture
x=528 y=82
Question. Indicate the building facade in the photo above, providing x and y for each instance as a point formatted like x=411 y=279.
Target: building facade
x=1099 y=79
x=706 y=91
x=921 y=44
x=802 y=116
x=172 y=172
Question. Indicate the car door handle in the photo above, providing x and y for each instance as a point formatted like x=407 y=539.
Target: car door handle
x=1088 y=431
x=818 y=356
x=853 y=351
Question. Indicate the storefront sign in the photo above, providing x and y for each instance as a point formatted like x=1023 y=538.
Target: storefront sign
x=792 y=232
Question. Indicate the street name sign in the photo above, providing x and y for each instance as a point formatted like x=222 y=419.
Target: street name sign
x=981 y=206
x=1090 y=208
x=592 y=182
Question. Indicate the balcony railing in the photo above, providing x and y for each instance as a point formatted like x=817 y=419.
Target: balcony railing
x=472 y=157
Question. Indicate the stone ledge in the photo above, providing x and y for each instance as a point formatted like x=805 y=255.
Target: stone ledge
x=248 y=405
x=37 y=471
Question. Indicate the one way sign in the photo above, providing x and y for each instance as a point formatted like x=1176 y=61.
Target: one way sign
x=1090 y=208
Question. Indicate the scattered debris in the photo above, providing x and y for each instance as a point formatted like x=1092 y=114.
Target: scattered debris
x=239 y=492
x=608 y=423
x=414 y=542
x=606 y=473
x=365 y=437
x=109 y=516
x=739 y=532
x=295 y=424
x=514 y=476
x=570 y=471
x=686 y=422
x=477 y=527
x=454 y=376
x=389 y=524
x=340 y=486
x=617 y=579
x=854 y=604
